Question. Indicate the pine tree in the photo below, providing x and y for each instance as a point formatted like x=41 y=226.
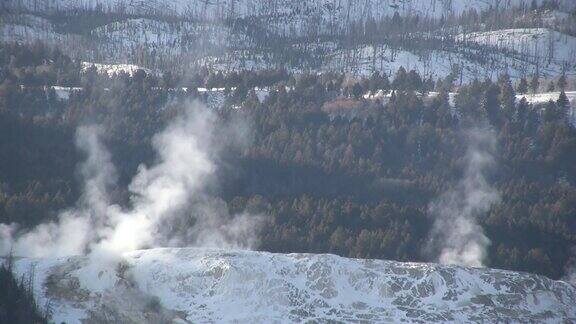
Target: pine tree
x=374 y=82
x=534 y=83
x=491 y=104
x=429 y=84
x=357 y=90
x=563 y=100
x=562 y=82
x=521 y=111
x=507 y=96
x=413 y=81
x=385 y=82
x=400 y=79
x=522 y=87
x=551 y=112
x=563 y=104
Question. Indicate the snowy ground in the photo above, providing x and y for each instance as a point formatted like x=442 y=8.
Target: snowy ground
x=539 y=98
x=27 y=28
x=114 y=69
x=540 y=45
x=201 y=285
x=63 y=93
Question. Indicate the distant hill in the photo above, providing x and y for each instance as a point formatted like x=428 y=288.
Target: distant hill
x=435 y=37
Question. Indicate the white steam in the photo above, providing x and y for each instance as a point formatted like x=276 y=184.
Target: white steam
x=167 y=198
x=570 y=268
x=456 y=234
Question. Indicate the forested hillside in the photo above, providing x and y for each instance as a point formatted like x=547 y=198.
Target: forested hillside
x=332 y=168
x=472 y=38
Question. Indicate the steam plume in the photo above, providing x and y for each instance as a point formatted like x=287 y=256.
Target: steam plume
x=170 y=192
x=570 y=269
x=456 y=235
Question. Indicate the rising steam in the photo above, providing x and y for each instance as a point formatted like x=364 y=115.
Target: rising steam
x=169 y=204
x=570 y=268
x=456 y=236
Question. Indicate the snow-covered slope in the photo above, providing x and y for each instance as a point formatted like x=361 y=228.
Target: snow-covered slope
x=201 y=285
x=198 y=33
x=518 y=52
x=187 y=34
x=547 y=45
x=23 y=28
x=222 y=9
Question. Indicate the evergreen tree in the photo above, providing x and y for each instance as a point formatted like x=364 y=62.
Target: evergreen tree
x=535 y=83
x=413 y=81
x=522 y=87
x=400 y=80
x=563 y=104
x=357 y=90
x=551 y=112
x=521 y=112
x=374 y=83
x=491 y=104
x=563 y=100
x=562 y=82
x=385 y=82
x=507 y=96
x=429 y=84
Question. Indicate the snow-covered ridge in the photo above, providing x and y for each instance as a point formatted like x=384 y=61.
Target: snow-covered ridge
x=518 y=52
x=204 y=285
x=201 y=39
x=345 y=9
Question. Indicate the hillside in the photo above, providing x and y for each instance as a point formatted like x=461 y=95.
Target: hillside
x=475 y=38
x=198 y=285
x=218 y=10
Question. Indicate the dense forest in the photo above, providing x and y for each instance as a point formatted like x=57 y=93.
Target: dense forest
x=333 y=171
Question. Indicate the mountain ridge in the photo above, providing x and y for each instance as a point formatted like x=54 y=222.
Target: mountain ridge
x=433 y=37
x=242 y=8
